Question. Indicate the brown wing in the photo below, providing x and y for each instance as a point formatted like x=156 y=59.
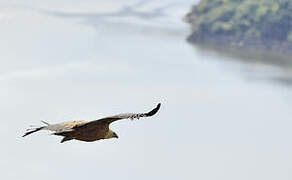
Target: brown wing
x=107 y=120
x=65 y=126
x=85 y=133
x=57 y=128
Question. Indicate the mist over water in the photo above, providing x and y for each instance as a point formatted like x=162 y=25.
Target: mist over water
x=221 y=117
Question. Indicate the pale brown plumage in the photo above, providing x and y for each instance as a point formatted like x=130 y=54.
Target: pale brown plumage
x=89 y=131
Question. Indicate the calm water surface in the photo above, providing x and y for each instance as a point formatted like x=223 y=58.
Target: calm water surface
x=222 y=117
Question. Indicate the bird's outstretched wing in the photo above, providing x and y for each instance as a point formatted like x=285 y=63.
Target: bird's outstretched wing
x=110 y=119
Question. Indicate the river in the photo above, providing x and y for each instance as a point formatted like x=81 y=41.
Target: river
x=221 y=117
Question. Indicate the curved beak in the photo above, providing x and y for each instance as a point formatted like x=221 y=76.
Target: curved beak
x=115 y=135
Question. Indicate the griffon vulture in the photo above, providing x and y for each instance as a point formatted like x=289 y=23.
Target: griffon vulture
x=89 y=130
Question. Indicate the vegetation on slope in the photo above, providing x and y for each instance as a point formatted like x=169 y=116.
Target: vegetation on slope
x=242 y=22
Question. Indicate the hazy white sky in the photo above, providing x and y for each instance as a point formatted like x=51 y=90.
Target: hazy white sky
x=219 y=119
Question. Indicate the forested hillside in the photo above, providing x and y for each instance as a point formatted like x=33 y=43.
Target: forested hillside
x=243 y=23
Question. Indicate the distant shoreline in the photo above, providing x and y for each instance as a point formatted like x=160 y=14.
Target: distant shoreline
x=249 y=45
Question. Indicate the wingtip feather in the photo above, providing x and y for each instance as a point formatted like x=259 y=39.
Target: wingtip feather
x=153 y=111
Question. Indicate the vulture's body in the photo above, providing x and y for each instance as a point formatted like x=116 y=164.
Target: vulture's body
x=89 y=130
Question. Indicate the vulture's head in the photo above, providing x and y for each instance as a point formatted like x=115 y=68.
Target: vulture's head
x=111 y=134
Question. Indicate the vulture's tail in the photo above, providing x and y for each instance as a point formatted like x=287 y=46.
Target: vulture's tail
x=33 y=130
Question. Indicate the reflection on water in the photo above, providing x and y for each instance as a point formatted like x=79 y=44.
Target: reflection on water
x=264 y=66
x=220 y=118
x=250 y=56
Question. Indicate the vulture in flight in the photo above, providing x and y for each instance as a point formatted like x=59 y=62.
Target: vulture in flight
x=89 y=130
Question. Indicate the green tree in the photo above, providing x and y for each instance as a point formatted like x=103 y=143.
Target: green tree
x=261 y=20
